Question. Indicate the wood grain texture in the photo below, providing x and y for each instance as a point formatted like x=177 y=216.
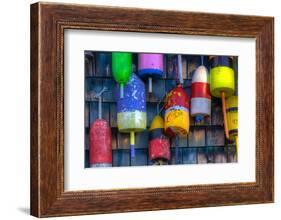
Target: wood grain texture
x=48 y=22
x=34 y=136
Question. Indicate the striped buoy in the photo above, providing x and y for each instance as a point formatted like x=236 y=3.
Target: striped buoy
x=131 y=110
x=200 y=94
x=159 y=143
x=232 y=116
x=232 y=119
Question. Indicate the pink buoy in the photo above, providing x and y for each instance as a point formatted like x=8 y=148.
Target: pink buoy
x=150 y=66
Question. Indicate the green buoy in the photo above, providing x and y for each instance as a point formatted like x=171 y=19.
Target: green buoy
x=122 y=69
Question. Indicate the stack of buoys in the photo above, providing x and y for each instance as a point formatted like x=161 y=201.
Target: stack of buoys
x=222 y=82
x=200 y=94
x=159 y=143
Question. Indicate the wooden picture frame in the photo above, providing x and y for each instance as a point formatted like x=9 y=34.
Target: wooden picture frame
x=48 y=22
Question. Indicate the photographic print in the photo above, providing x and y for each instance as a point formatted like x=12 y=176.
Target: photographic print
x=144 y=109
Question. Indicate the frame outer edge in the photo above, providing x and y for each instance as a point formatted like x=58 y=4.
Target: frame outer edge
x=265 y=49
x=272 y=190
x=270 y=32
x=273 y=106
x=34 y=111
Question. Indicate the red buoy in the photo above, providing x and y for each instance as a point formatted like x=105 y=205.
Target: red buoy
x=100 y=144
x=100 y=140
x=159 y=143
x=177 y=112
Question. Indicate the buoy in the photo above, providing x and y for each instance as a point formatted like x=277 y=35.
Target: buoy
x=103 y=64
x=200 y=94
x=222 y=82
x=159 y=143
x=131 y=110
x=122 y=69
x=100 y=140
x=232 y=118
x=176 y=112
x=150 y=65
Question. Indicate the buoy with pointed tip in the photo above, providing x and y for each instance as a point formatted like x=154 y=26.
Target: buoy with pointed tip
x=100 y=140
x=232 y=118
x=121 y=69
x=150 y=65
x=222 y=82
x=159 y=143
x=131 y=110
x=176 y=112
x=200 y=94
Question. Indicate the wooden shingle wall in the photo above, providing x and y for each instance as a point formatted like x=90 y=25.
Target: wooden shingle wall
x=205 y=143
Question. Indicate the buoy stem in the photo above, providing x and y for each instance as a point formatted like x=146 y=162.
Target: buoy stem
x=158 y=105
x=224 y=115
x=236 y=145
x=199 y=119
x=150 y=84
x=132 y=147
x=180 y=69
x=177 y=149
x=121 y=90
x=99 y=95
x=202 y=60
x=100 y=108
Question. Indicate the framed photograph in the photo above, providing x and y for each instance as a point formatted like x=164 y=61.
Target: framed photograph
x=138 y=109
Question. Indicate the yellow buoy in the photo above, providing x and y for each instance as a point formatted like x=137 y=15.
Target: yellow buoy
x=222 y=79
x=156 y=123
x=232 y=118
x=222 y=82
